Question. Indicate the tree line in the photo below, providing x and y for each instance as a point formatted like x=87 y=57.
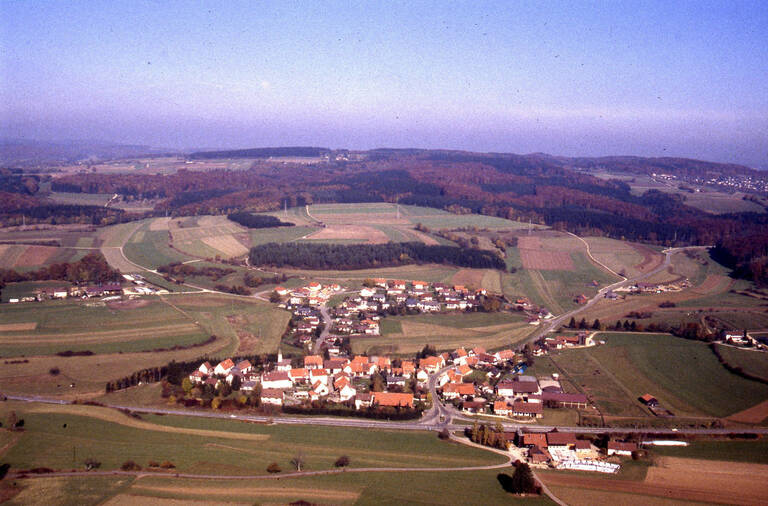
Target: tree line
x=363 y=256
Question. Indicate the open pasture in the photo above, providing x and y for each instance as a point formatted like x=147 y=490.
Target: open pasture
x=684 y=375
x=80 y=326
x=750 y=361
x=218 y=447
x=222 y=316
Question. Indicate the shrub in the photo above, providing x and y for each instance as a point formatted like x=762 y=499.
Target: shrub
x=54 y=371
x=152 y=463
x=273 y=468
x=130 y=465
x=444 y=434
x=91 y=464
x=168 y=465
x=342 y=461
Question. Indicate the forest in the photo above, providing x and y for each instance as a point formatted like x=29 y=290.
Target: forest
x=364 y=256
x=539 y=188
x=251 y=220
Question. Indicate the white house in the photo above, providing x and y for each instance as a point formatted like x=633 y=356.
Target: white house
x=276 y=380
x=224 y=367
x=272 y=396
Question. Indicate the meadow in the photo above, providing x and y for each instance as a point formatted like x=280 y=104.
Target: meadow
x=446 y=332
x=121 y=337
x=684 y=375
x=62 y=437
x=97 y=327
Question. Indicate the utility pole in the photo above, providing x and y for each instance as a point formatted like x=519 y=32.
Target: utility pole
x=285 y=208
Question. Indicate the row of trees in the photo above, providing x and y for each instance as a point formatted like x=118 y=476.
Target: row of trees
x=362 y=256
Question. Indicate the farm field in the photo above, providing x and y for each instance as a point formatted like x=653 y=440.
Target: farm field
x=82 y=199
x=140 y=325
x=223 y=447
x=751 y=362
x=25 y=257
x=239 y=324
x=408 y=334
x=669 y=368
x=633 y=259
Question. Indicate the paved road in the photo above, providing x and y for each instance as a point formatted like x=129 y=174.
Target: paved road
x=389 y=425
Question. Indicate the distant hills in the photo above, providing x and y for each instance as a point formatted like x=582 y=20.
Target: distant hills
x=34 y=153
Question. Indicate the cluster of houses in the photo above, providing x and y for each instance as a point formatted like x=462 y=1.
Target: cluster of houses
x=521 y=397
x=642 y=287
x=312 y=295
x=743 y=339
x=549 y=343
x=526 y=396
x=564 y=451
x=337 y=380
x=413 y=296
x=64 y=292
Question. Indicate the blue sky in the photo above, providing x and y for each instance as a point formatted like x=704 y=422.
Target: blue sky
x=571 y=78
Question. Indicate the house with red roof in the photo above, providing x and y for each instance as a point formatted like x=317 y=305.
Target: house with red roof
x=393 y=399
x=313 y=362
x=224 y=367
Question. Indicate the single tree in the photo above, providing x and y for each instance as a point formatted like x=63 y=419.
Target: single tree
x=298 y=461
x=523 y=481
x=342 y=461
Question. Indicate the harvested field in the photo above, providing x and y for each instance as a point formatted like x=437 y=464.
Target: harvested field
x=35 y=256
x=529 y=242
x=357 y=232
x=429 y=241
x=17 y=327
x=10 y=254
x=469 y=278
x=756 y=414
x=546 y=260
x=160 y=224
x=103 y=336
x=633 y=489
x=227 y=244
x=651 y=259
x=727 y=482
x=713 y=283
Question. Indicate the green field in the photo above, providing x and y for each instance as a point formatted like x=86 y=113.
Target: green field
x=735 y=451
x=79 y=325
x=207 y=446
x=150 y=249
x=278 y=234
x=750 y=361
x=82 y=199
x=684 y=375
x=62 y=437
x=408 y=334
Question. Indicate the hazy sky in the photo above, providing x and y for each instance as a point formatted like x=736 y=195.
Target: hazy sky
x=572 y=78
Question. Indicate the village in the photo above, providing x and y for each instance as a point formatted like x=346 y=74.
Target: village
x=387 y=386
